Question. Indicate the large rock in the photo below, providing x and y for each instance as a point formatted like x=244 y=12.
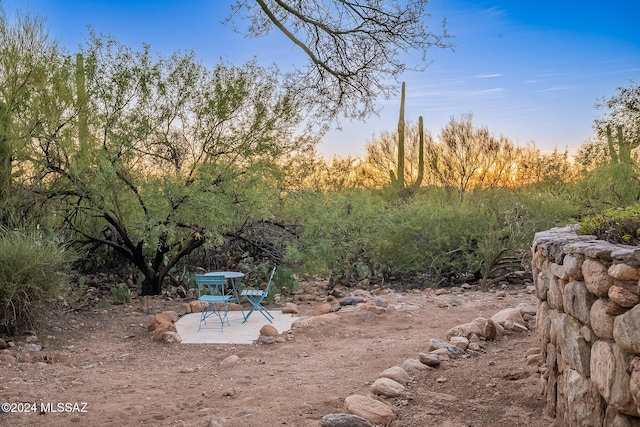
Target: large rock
x=164 y=318
x=577 y=301
x=559 y=271
x=492 y=331
x=543 y=323
x=554 y=296
x=183 y=308
x=542 y=285
x=460 y=342
x=613 y=418
x=601 y=322
x=573 y=266
x=626 y=330
x=372 y=410
x=624 y=272
x=575 y=349
x=583 y=402
x=610 y=374
x=634 y=382
x=508 y=314
x=290 y=308
x=444 y=347
x=465 y=330
x=550 y=385
x=623 y=296
x=596 y=277
x=429 y=359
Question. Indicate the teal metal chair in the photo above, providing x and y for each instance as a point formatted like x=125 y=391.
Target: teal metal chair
x=256 y=296
x=213 y=301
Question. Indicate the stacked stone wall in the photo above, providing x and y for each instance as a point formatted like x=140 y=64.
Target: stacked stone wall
x=588 y=326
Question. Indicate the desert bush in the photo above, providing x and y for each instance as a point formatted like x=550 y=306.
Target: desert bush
x=609 y=186
x=430 y=237
x=337 y=232
x=620 y=225
x=425 y=237
x=31 y=270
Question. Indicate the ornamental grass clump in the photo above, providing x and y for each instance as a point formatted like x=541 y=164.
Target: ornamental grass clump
x=31 y=276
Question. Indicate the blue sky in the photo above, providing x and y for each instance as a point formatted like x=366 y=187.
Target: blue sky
x=531 y=71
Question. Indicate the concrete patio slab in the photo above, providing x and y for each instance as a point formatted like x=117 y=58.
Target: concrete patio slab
x=234 y=333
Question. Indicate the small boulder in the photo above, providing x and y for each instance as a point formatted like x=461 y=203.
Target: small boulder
x=344 y=420
x=322 y=309
x=623 y=296
x=183 y=308
x=460 y=342
x=269 y=331
x=373 y=410
x=387 y=387
x=429 y=359
x=414 y=366
x=397 y=374
x=508 y=315
x=197 y=306
x=290 y=308
x=351 y=300
x=230 y=361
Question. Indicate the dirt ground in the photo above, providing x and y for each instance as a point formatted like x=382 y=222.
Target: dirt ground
x=103 y=363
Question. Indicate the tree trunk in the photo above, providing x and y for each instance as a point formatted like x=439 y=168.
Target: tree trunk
x=5 y=154
x=152 y=285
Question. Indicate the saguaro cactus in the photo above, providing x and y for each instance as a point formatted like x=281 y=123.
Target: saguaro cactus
x=624 y=146
x=401 y=124
x=398 y=178
x=420 y=153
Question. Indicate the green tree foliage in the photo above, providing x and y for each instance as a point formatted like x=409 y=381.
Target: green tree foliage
x=29 y=72
x=177 y=154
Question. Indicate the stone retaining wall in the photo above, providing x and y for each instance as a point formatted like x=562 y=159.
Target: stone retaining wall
x=588 y=326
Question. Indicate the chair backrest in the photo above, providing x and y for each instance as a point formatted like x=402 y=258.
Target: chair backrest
x=210 y=283
x=273 y=272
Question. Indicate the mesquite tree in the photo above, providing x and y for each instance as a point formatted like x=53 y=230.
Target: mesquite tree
x=172 y=156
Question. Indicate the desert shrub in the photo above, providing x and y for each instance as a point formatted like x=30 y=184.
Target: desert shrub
x=30 y=277
x=620 y=225
x=428 y=238
x=337 y=232
x=609 y=186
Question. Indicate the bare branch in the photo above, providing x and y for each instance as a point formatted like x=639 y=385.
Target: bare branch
x=355 y=47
